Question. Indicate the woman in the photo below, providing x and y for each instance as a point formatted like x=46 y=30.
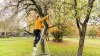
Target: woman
x=37 y=29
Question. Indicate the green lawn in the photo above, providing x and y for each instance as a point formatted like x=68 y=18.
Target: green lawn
x=24 y=47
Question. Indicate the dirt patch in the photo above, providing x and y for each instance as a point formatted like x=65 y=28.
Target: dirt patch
x=69 y=42
x=91 y=44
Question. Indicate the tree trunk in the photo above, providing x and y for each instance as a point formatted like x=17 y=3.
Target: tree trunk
x=89 y=36
x=81 y=44
x=42 y=43
x=56 y=40
x=5 y=34
x=62 y=38
x=48 y=38
x=81 y=41
x=93 y=37
x=42 y=40
x=42 y=46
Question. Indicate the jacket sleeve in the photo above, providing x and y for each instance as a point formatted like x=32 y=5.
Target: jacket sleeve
x=43 y=19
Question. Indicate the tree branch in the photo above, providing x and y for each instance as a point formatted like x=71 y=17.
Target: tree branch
x=68 y=3
x=83 y=7
x=54 y=25
x=20 y=1
x=28 y=25
x=80 y=21
x=90 y=5
x=29 y=4
x=26 y=31
x=38 y=8
x=77 y=21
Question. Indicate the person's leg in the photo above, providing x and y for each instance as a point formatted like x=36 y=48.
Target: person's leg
x=35 y=37
x=35 y=41
x=38 y=37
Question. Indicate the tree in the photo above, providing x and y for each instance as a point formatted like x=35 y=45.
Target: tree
x=92 y=32
x=82 y=25
x=57 y=34
x=39 y=6
x=60 y=16
x=81 y=12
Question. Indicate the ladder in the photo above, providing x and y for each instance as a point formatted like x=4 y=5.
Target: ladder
x=46 y=45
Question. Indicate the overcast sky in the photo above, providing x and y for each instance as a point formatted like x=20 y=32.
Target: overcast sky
x=1 y=1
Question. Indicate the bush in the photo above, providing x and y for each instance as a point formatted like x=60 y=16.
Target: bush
x=92 y=32
x=57 y=35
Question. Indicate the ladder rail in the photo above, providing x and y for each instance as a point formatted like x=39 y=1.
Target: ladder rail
x=47 y=47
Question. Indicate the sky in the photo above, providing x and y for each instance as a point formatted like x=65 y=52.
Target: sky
x=1 y=1
x=1 y=4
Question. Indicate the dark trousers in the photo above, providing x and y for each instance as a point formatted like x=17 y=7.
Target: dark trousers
x=37 y=36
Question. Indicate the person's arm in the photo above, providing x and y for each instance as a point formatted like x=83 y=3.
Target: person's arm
x=44 y=18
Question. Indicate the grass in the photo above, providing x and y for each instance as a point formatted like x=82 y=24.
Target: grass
x=15 y=48
x=89 y=50
x=23 y=47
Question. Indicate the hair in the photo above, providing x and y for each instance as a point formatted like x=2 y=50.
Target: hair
x=38 y=16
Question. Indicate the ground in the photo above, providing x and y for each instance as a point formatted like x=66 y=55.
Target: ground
x=23 y=46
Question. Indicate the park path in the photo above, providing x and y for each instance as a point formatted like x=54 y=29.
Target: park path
x=91 y=44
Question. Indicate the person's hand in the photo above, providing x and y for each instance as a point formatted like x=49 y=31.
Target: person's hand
x=48 y=15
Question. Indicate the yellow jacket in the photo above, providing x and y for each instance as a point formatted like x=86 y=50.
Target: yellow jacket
x=38 y=23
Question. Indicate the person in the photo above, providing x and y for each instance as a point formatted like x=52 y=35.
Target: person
x=37 y=29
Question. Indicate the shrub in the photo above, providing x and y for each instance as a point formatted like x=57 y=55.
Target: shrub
x=92 y=32
x=57 y=34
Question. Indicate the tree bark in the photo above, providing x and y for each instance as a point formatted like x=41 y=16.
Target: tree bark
x=42 y=46
x=81 y=41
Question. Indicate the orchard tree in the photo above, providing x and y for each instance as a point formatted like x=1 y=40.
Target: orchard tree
x=61 y=17
x=25 y=6
x=82 y=25
x=81 y=11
